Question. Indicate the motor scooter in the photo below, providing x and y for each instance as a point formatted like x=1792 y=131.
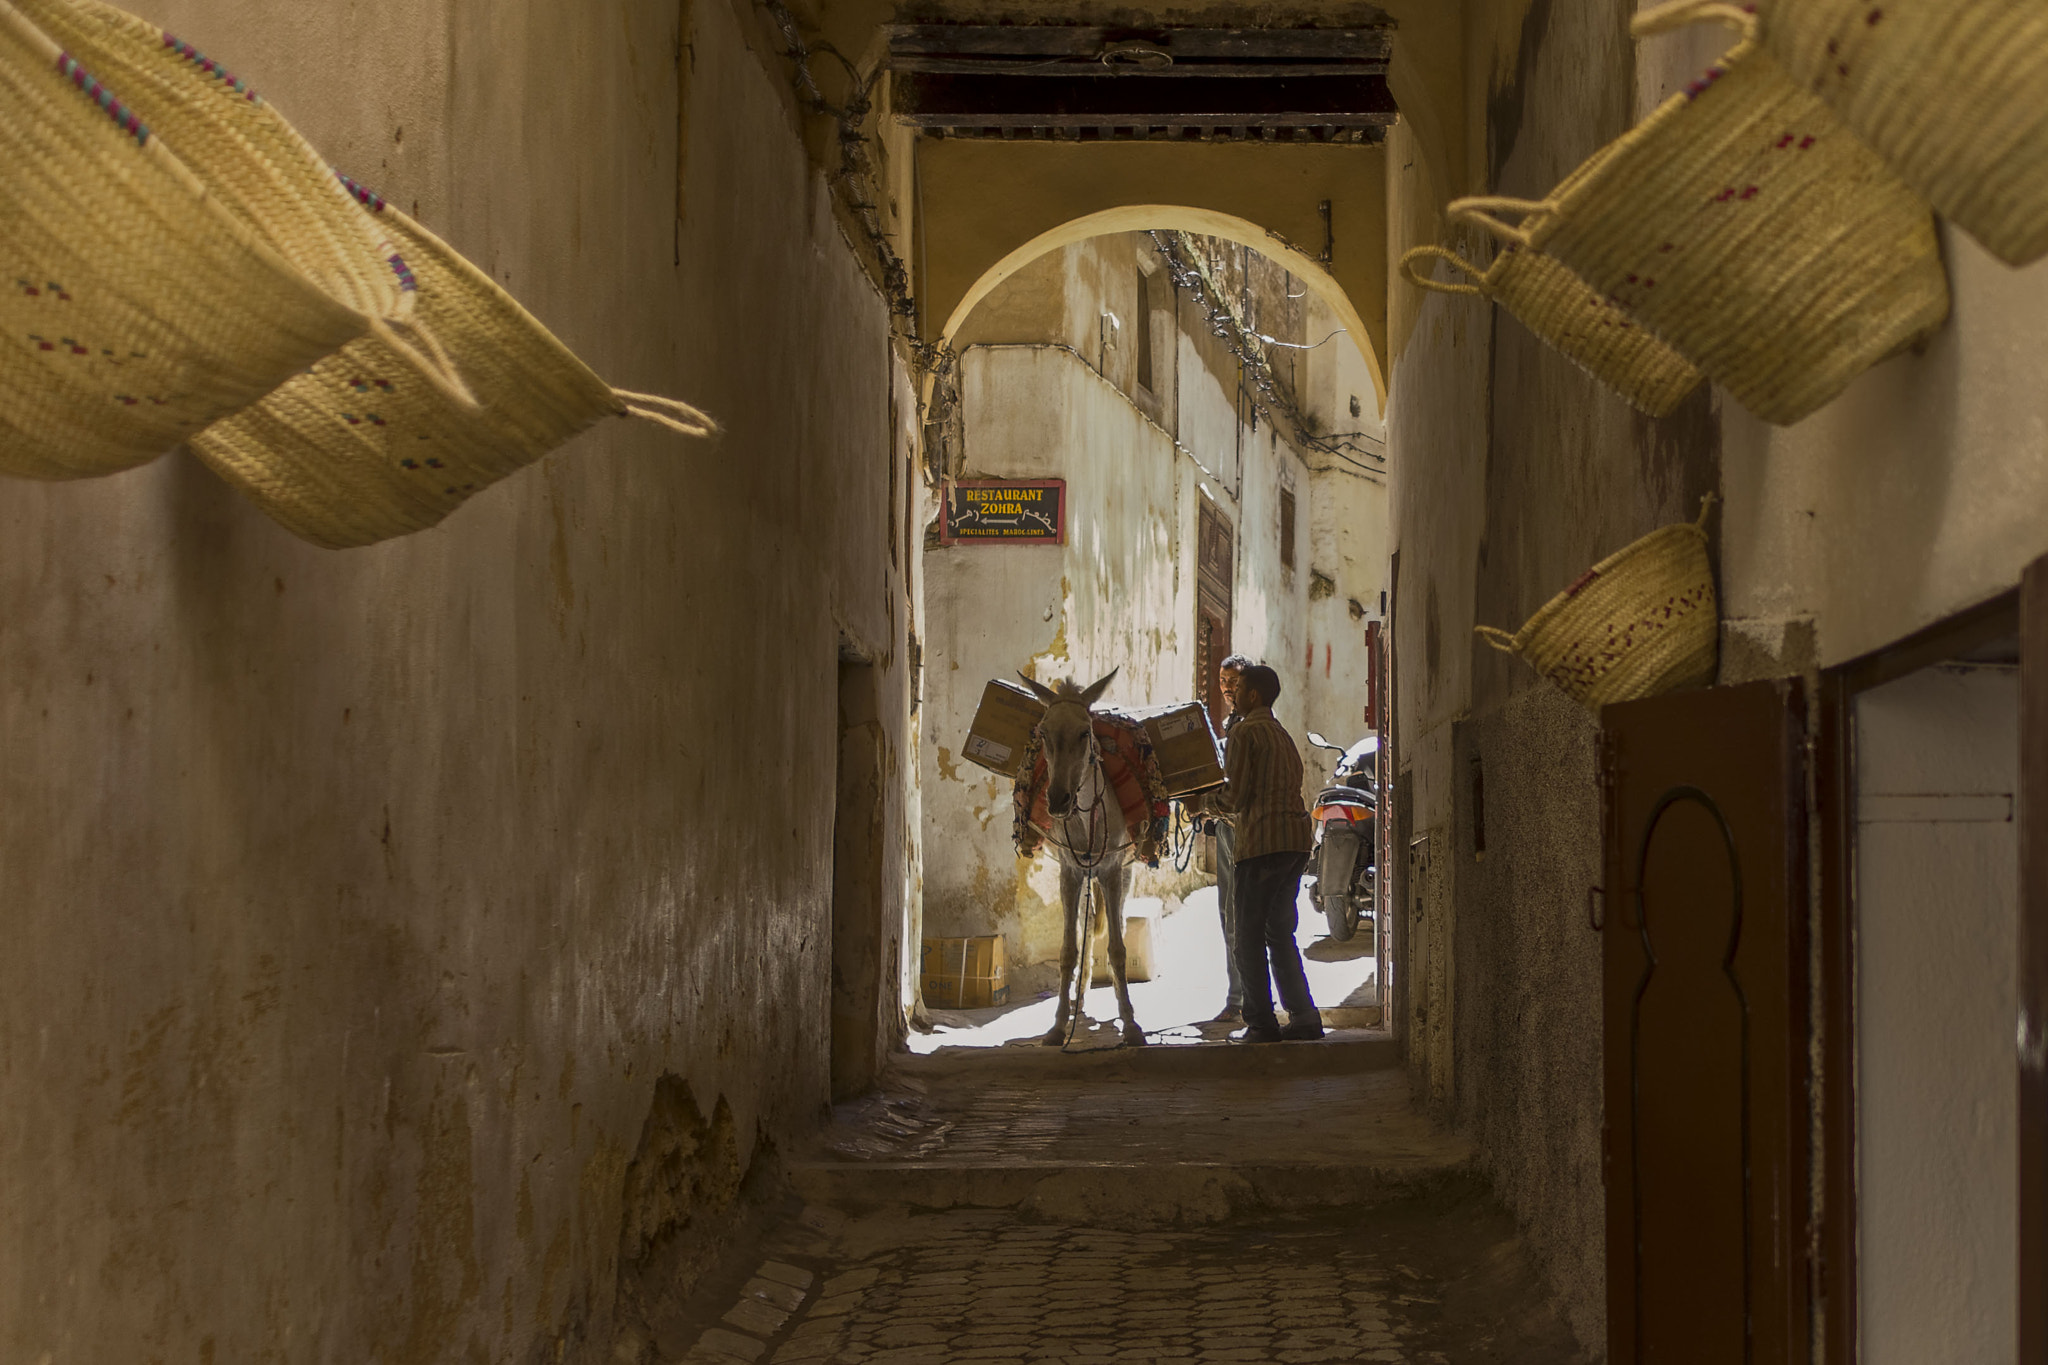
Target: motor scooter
x=1343 y=857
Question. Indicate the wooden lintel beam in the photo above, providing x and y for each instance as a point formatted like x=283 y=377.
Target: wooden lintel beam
x=908 y=41
x=928 y=100
x=1089 y=67
x=1218 y=125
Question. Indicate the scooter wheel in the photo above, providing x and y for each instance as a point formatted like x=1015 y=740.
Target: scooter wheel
x=1342 y=914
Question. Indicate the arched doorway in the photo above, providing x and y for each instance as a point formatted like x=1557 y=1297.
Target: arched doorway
x=1206 y=504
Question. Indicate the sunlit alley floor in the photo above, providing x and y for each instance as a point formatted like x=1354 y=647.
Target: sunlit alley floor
x=1282 y=1203
x=1187 y=988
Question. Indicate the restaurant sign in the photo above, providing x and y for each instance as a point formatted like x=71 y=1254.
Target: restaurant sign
x=1011 y=512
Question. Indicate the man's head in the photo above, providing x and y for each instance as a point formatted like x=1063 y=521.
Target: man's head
x=1257 y=686
x=1230 y=677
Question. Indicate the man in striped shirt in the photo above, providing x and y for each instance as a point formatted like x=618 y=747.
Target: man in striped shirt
x=1261 y=796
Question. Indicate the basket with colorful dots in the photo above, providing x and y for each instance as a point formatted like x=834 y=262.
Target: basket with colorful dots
x=135 y=308
x=361 y=449
x=1751 y=230
x=1949 y=92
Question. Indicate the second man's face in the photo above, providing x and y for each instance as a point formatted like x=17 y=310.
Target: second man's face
x=1231 y=680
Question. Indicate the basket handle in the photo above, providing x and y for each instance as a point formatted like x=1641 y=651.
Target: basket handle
x=1496 y=637
x=1679 y=13
x=672 y=413
x=1481 y=208
x=1706 y=505
x=1415 y=277
x=28 y=32
x=425 y=353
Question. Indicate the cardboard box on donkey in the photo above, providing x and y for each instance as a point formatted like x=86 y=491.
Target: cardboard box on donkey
x=1002 y=726
x=1180 y=734
x=1189 y=758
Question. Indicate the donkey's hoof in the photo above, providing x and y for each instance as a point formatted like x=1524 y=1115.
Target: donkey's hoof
x=1056 y=1036
x=1133 y=1035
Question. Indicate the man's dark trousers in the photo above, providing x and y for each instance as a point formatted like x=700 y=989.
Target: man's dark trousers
x=1266 y=888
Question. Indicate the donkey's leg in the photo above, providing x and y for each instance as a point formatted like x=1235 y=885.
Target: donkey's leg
x=1070 y=901
x=1111 y=887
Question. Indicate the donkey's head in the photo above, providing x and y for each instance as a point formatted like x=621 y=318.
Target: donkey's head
x=1069 y=737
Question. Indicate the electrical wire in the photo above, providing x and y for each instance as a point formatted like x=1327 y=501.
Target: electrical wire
x=1244 y=345
x=1296 y=346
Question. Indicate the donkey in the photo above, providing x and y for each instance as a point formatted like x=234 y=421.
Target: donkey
x=1093 y=845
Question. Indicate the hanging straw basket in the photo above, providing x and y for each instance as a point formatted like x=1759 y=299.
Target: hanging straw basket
x=1642 y=621
x=134 y=308
x=1573 y=317
x=1752 y=231
x=360 y=449
x=1952 y=93
x=1566 y=312
x=255 y=164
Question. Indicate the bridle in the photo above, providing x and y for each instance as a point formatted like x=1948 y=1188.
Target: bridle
x=1098 y=829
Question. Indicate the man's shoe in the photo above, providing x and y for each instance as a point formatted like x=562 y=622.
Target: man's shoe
x=1307 y=1031
x=1229 y=1014
x=1256 y=1033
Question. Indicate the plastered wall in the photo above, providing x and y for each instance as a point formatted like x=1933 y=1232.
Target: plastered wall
x=1347 y=540
x=411 y=946
x=1915 y=494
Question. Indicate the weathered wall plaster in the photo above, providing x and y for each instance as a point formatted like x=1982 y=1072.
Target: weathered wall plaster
x=371 y=911
x=1916 y=493
x=1112 y=597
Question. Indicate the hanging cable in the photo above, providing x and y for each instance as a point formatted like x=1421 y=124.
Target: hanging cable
x=1246 y=347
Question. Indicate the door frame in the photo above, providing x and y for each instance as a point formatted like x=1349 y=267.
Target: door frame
x=1834 y=769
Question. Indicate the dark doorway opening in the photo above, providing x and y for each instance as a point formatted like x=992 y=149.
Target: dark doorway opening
x=1215 y=566
x=858 y=902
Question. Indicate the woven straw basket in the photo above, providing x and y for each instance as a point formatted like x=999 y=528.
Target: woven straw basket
x=1570 y=315
x=1642 y=621
x=360 y=449
x=255 y=163
x=134 y=308
x=1953 y=93
x=1752 y=231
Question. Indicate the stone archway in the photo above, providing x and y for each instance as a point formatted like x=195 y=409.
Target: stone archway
x=991 y=207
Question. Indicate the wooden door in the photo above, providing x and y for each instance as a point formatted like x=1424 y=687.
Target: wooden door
x=1705 y=1027
x=2032 y=1034
x=1215 y=570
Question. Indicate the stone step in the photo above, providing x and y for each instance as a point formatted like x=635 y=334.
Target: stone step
x=1340 y=1052
x=1129 y=1194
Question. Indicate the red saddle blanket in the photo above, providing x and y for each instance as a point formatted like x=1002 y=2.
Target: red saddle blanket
x=1134 y=775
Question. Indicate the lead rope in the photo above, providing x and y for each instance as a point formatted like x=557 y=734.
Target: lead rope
x=1085 y=908
x=1186 y=829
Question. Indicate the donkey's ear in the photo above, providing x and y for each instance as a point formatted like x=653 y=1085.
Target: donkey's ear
x=1040 y=690
x=1094 y=693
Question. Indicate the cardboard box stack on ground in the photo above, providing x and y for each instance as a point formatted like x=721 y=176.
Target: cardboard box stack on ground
x=965 y=973
x=1002 y=727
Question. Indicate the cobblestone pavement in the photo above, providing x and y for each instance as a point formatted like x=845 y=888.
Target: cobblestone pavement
x=1437 y=1282
x=1283 y=1205
x=957 y=1116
